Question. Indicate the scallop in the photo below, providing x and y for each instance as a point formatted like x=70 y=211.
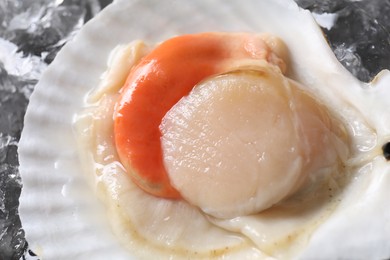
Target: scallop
x=65 y=199
x=240 y=143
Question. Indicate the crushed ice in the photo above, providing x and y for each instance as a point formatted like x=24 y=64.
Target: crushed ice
x=31 y=34
x=358 y=32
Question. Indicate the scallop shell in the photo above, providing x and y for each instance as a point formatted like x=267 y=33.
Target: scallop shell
x=61 y=216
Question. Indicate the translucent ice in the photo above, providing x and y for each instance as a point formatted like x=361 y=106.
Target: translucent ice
x=31 y=34
x=18 y=75
x=360 y=36
x=41 y=27
x=11 y=236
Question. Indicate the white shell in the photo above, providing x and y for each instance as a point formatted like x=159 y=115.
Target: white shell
x=61 y=222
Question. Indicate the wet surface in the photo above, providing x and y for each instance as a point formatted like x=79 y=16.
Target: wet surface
x=360 y=36
x=32 y=32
